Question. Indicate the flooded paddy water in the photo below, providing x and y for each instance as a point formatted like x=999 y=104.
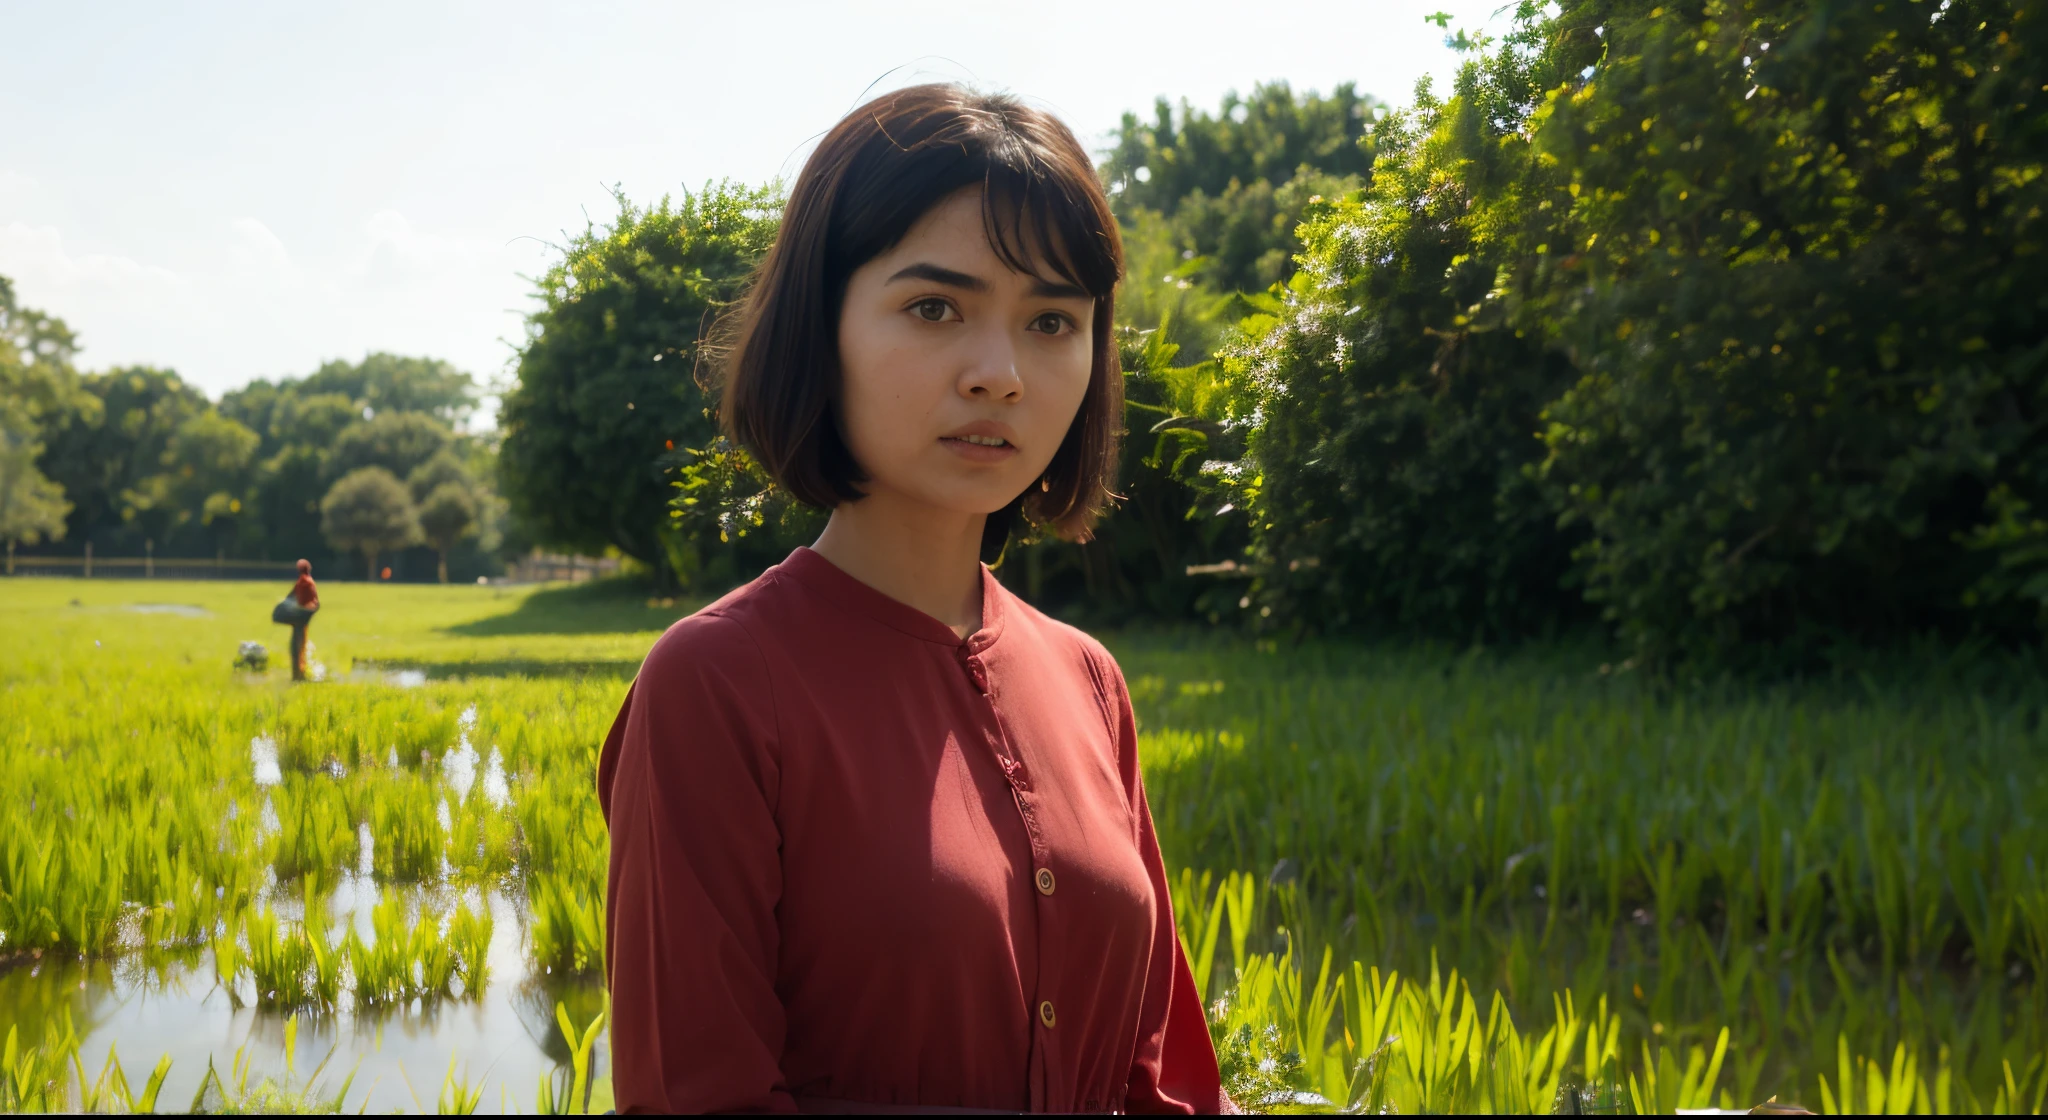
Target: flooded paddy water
x=495 y=1032
x=148 y=1006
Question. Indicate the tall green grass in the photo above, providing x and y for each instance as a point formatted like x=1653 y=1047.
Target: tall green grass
x=1800 y=863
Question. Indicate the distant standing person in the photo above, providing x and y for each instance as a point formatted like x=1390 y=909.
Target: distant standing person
x=308 y=594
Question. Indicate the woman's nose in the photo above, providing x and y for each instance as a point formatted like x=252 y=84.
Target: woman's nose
x=991 y=372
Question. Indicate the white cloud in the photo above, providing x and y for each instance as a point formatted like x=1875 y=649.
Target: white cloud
x=258 y=253
x=46 y=273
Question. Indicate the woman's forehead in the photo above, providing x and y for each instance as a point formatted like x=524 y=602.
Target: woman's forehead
x=996 y=236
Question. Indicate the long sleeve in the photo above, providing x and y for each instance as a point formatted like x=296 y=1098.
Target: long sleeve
x=1173 y=1069
x=689 y=782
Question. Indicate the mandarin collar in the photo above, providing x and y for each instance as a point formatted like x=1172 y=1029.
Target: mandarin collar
x=842 y=590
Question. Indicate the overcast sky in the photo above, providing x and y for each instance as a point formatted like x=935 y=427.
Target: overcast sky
x=240 y=191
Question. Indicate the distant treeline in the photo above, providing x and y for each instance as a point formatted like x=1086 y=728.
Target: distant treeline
x=1718 y=328
x=356 y=467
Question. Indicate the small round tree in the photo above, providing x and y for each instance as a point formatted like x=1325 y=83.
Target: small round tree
x=447 y=515
x=368 y=511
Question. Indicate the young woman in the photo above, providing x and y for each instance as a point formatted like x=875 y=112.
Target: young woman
x=879 y=841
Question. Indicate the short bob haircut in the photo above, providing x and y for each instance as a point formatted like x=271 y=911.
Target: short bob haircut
x=872 y=177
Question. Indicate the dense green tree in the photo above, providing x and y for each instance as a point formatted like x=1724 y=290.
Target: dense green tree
x=1737 y=301
x=210 y=461
x=397 y=441
x=1392 y=408
x=36 y=350
x=112 y=458
x=32 y=508
x=607 y=401
x=369 y=512
x=447 y=514
x=1266 y=137
x=452 y=505
x=1795 y=250
x=298 y=431
x=1215 y=197
x=395 y=383
x=445 y=467
x=38 y=389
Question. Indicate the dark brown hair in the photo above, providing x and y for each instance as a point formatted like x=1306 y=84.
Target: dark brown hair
x=872 y=177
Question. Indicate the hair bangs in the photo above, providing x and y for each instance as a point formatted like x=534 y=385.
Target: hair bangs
x=1034 y=222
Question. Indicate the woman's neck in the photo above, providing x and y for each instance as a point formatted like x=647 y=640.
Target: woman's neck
x=925 y=558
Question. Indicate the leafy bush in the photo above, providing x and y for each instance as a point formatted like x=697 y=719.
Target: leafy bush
x=606 y=402
x=1794 y=250
x=1390 y=403
x=1722 y=319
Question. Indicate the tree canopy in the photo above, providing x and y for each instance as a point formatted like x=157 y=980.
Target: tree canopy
x=1721 y=320
x=607 y=400
x=369 y=512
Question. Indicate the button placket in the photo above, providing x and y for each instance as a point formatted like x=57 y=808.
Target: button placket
x=1044 y=881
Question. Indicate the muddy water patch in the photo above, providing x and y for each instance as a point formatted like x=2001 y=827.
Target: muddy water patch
x=182 y=610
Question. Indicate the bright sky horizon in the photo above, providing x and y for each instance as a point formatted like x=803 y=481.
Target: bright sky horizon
x=238 y=191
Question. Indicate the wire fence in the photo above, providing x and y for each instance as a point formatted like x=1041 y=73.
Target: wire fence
x=148 y=567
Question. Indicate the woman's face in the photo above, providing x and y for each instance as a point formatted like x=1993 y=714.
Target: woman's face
x=961 y=376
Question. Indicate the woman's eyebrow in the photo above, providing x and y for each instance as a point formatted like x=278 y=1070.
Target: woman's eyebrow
x=939 y=275
x=1045 y=289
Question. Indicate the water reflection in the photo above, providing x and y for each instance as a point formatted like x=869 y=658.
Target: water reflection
x=148 y=1005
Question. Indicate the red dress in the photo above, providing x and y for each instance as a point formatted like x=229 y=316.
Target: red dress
x=856 y=859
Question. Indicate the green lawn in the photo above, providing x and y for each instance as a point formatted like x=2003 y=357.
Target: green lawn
x=1829 y=872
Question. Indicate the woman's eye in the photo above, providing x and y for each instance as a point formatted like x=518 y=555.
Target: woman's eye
x=1049 y=323
x=932 y=310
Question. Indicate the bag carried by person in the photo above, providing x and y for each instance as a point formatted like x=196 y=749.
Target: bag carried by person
x=290 y=613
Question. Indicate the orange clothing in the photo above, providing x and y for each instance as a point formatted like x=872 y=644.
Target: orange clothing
x=856 y=860
x=306 y=592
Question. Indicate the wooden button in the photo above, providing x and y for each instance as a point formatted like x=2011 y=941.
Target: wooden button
x=1045 y=883
x=1045 y=1014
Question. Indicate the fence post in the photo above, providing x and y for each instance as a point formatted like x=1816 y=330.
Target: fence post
x=149 y=559
x=88 y=559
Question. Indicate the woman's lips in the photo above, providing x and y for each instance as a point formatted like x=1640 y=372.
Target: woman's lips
x=977 y=452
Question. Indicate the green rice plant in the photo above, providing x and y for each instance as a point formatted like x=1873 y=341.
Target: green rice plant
x=469 y=938
x=151 y=1088
x=408 y=838
x=62 y=887
x=458 y=1097
x=433 y=957
x=560 y=825
x=581 y=1044
x=383 y=966
x=229 y=962
x=1666 y=1089
x=565 y=926
x=233 y=1095
x=482 y=842
x=317 y=837
x=293 y=964
x=32 y=1077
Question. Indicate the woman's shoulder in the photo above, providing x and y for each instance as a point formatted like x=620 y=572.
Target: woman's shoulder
x=721 y=641
x=1062 y=640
